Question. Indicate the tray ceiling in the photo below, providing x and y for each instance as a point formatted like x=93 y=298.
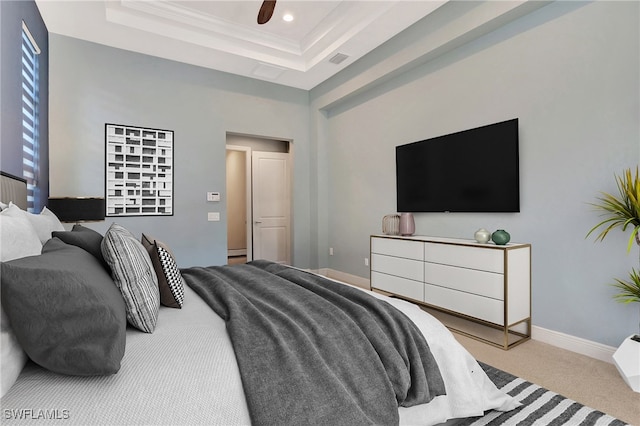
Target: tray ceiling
x=323 y=38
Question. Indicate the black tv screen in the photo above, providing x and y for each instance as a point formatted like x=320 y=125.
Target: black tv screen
x=475 y=170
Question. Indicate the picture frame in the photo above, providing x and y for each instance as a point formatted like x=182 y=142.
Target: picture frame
x=139 y=171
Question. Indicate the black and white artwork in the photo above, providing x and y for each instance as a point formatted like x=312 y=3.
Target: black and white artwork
x=139 y=171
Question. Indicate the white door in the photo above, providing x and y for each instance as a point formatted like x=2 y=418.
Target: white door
x=271 y=207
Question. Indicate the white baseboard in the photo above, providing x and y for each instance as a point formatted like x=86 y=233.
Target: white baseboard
x=573 y=343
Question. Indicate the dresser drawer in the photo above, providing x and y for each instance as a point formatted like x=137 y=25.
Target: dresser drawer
x=405 y=268
x=398 y=248
x=472 y=305
x=398 y=285
x=482 y=283
x=480 y=258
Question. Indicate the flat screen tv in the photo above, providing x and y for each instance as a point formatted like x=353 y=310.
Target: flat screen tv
x=475 y=170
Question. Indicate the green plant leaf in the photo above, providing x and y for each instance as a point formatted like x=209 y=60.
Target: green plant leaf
x=621 y=210
x=629 y=290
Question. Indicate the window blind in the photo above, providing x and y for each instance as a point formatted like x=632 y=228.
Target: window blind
x=30 y=122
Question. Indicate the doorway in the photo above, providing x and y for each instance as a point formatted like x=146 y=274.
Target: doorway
x=258 y=199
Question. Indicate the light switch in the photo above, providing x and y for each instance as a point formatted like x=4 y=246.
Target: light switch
x=213 y=196
x=213 y=216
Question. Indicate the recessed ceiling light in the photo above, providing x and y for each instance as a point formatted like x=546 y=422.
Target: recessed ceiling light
x=287 y=17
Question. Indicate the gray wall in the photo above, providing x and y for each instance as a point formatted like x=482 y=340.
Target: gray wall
x=91 y=85
x=569 y=72
x=12 y=13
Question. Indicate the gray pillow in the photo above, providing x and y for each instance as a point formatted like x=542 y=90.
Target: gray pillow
x=66 y=311
x=133 y=273
x=85 y=238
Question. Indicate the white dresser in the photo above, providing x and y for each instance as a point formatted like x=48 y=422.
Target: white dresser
x=484 y=283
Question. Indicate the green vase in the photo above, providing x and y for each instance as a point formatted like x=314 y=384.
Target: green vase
x=500 y=237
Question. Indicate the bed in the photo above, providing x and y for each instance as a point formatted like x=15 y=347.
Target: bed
x=105 y=329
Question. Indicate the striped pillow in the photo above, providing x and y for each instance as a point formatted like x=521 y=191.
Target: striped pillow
x=133 y=273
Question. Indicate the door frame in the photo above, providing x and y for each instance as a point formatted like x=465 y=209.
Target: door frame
x=248 y=196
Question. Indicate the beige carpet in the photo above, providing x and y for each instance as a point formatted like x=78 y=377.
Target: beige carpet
x=589 y=381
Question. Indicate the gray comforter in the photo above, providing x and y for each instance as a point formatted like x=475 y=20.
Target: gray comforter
x=312 y=351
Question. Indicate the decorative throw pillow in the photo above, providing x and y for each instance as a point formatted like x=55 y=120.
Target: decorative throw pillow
x=44 y=223
x=85 y=238
x=133 y=273
x=170 y=280
x=66 y=312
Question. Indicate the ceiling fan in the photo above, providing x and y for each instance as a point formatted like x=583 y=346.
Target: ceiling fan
x=266 y=11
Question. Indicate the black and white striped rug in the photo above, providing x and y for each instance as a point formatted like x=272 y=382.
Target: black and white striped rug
x=541 y=407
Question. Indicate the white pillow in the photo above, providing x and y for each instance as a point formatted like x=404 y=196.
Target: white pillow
x=18 y=239
x=44 y=223
x=12 y=356
x=3 y=206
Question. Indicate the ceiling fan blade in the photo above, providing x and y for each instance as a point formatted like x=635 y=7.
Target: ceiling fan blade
x=266 y=11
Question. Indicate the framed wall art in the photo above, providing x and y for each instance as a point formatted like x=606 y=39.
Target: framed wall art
x=139 y=171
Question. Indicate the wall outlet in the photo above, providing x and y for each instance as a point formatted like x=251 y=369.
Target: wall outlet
x=213 y=216
x=330 y=251
x=366 y=261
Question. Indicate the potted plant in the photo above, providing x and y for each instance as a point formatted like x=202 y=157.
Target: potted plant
x=623 y=211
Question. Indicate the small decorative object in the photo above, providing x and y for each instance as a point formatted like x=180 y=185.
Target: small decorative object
x=482 y=236
x=500 y=237
x=391 y=224
x=407 y=224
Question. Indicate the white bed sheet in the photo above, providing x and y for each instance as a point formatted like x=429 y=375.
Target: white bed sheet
x=185 y=373
x=470 y=392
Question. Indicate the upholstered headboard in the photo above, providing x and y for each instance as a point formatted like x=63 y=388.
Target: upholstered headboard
x=13 y=188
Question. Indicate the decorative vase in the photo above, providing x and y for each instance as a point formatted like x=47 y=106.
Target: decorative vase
x=407 y=224
x=500 y=237
x=391 y=224
x=626 y=360
x=482 y=236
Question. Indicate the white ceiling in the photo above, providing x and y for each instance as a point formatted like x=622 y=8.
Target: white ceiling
x=225 y=36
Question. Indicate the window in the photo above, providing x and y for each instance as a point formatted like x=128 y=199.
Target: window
x=30 y=121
